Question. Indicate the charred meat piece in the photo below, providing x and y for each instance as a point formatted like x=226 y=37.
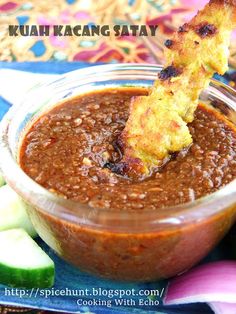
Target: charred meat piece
x=157 y=124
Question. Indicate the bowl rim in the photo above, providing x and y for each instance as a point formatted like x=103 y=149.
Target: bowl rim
x=71 y=211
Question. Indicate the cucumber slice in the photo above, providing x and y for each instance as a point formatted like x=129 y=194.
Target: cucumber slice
x=13 y=211
x=2 y=181
x=23 y=263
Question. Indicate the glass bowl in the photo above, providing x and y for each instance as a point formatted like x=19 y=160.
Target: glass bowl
x=131 y=246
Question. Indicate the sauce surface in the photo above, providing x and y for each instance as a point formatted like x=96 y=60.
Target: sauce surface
x=66 y=151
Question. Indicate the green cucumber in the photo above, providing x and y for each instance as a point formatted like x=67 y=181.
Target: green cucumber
x=13 y=211
x=2 y=181
x=23 y=264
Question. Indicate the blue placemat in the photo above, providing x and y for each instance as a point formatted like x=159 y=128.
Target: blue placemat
x=75 y=281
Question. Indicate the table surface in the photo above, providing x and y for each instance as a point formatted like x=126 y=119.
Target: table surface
x=68 y=271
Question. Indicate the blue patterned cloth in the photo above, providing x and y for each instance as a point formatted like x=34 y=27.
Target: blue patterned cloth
x=70 y=277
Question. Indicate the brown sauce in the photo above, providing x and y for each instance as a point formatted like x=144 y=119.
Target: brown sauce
x=67 y=148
